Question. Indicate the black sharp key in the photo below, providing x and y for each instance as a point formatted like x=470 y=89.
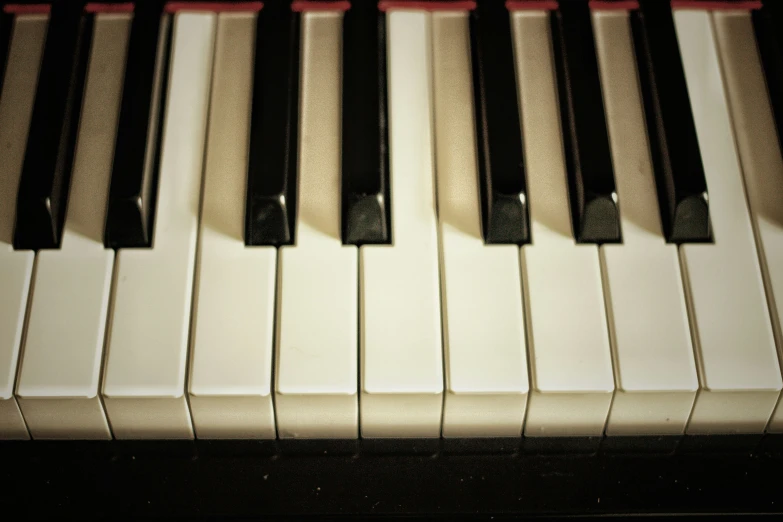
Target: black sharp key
x=767 y=23
x=585 y=138
x=130 y=216
x=366 y=204
x=679 y=172
x=270 y=214
x=6 y=24
x=46 y=172
x=501 y=168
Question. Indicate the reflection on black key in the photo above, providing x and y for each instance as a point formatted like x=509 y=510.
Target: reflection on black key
x=504 y=209
x=366 y=207
x=679 y=172
x=586 y=140
x=767 y=23
x=130 y=215
x=6 y=23
x=46 y=174
x=270 y=214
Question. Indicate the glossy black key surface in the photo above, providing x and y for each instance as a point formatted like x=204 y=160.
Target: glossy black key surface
x=6 y=24
x=46 y=172
x=270 y=214
x=501 y=167
x=767 y=23
x=130 y=216
x=366 y=206
x=592 y=190
x=676 y=157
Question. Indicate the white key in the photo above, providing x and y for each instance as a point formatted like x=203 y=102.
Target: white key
x=16 y=106
x=231 y=355
x=738 y=366
x=484 y=328
x=760 y=155
x=655 y=371
x=144 y=382
x=316 y=379
x=58 y=382
x=568 y=344
x=401 y=357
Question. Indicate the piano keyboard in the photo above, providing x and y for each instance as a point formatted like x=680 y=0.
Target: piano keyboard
x=342 y=220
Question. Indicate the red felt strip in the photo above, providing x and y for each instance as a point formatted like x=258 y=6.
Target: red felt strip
x=531 y=5
x=95 y=7
x=299 y=6
x=711 y=5
x=465 y=5
x=608 y=5
x=215 y=7
x=21 y=9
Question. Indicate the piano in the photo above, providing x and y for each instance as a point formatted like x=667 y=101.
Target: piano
x=391 y=258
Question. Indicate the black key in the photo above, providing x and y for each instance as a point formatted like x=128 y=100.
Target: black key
x=46 y=172
x=130 y=216
x=501 y=167
x=767 y=23
x=270 y=215
x=676 y=157
x=6 y=24
x=366 y=204
x=585 y=138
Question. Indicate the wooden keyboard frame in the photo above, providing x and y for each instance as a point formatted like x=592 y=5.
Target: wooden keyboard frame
x=383 y=479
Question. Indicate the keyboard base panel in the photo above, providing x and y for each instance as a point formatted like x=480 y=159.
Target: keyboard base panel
x=436 y=478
